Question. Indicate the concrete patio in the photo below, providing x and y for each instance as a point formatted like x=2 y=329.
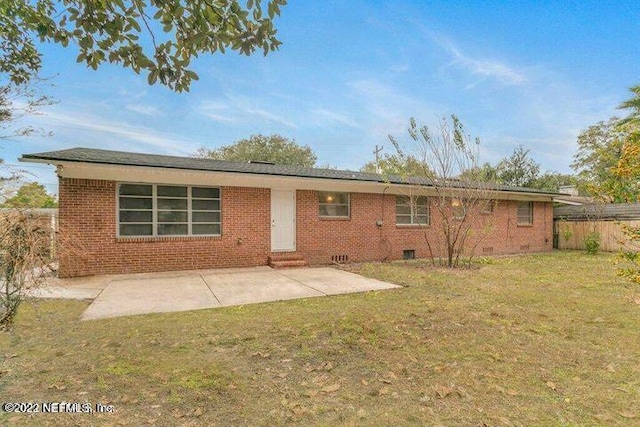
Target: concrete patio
x=130 y=294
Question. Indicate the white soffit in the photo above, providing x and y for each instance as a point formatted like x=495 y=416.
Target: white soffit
x=144 y=174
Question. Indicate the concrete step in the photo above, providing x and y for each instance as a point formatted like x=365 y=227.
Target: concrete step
x=287 y=261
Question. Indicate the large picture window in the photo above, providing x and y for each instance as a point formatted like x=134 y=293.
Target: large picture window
x=525 y=213
x=168 y=210
x=333 y=205
x=412 y=210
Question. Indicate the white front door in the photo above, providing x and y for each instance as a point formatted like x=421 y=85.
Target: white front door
x=283 y=220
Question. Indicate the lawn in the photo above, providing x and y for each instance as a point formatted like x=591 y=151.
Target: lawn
x=548 y=339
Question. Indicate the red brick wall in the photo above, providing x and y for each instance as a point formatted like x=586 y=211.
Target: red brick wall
x=361 y=239
x=88 y=243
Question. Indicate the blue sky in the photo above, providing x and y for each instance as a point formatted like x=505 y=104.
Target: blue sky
x=351 y=72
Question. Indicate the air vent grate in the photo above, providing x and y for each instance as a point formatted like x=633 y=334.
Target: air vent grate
x=409 y=254
x=340 y=258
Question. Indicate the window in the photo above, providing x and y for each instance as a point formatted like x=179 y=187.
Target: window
x=412 y=210
x=458 y=208
x=487 y=206
x=333 y=204
x=525 y=213
x=168 y=210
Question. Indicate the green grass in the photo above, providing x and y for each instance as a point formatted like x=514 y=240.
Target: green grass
x=546 y=339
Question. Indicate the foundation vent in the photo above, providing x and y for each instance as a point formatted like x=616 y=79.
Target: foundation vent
x=339 y=259
x=409 y=254
x=524 y=247
x=487 y=250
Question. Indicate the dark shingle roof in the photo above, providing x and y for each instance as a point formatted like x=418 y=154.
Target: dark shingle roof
x=108 y=157
x=598 y=212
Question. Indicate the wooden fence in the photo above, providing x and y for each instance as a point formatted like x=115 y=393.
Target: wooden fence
x=572 y=224
x=577 y=231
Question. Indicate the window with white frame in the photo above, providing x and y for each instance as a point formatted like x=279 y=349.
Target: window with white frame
x=458 y=208
x=333 y=205
x=168 y=210
x=525 y=213
x=487 y=206
x=412 y=210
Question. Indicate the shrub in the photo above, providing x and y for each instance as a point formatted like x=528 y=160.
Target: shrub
x=22 y=252
x=629 y=257
x=592 y=243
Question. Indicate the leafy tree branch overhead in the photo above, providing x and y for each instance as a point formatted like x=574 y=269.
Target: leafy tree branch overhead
x=158 y=37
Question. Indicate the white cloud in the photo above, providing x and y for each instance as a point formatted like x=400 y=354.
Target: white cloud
x=399 y=68
x=484 y=67
x=270 y=117
x=241 y=110
x=145 y=109
x=219 y=117
x=214 y=110
x=389 y=108
x=336 y=117
x=156 y=142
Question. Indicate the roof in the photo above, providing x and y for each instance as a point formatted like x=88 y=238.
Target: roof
x=574 y=200
x=108 y=157
x=598 y=212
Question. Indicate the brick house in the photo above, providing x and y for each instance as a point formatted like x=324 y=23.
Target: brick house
x=127 y=212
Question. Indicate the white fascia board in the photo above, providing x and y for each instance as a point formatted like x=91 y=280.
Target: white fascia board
x=145 y=174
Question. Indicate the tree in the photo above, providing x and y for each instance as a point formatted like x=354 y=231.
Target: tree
x=628 y=172
x=628 y=168
x=627 y=187
x=485 y=173
x=273 y=148
x=31 y=195
x=518 y=169
x=447 y=156
x=17 y=101
x=158 y=37
x=552 y=181
x=394 y=164
x=632 y=104
x=599 y=151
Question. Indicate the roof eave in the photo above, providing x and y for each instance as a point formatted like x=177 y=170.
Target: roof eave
x=193 y=176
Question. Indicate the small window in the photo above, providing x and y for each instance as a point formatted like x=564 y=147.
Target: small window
x=135 y=215
x=333 y=204
x=458 y=208
x=487 y=206
x=172 y=211
x=525 y=213
x=412 y=210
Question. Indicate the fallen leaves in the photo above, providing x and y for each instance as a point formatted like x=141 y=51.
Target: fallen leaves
x=261 y=354
x=331 y=388
x=389 y=377
x=443 y=391
x=628 y=414
x=324 y=366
